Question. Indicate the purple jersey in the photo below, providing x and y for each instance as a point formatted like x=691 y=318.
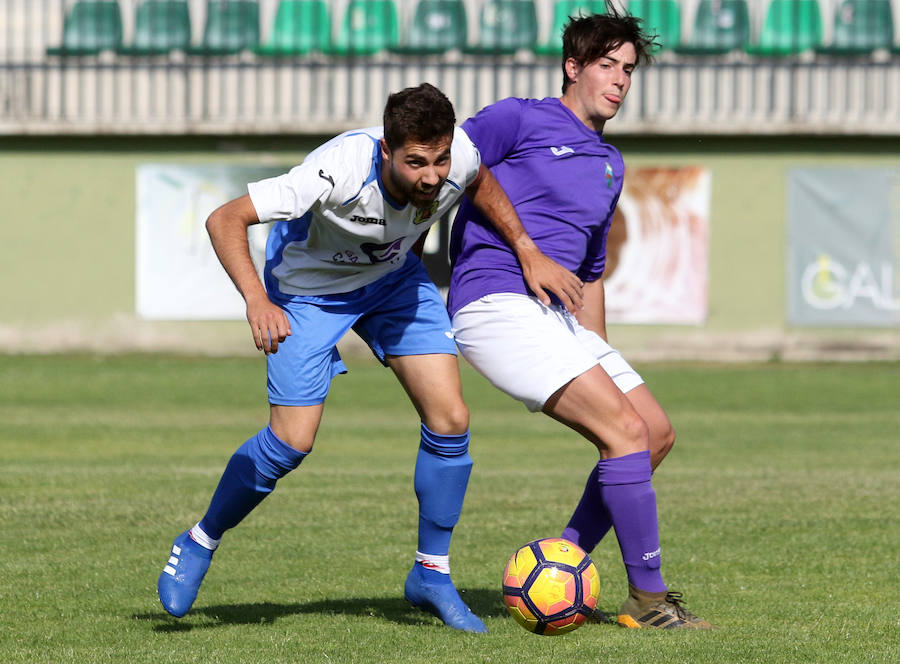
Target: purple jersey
x=564 y=182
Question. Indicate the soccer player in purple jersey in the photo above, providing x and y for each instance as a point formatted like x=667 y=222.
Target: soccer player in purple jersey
x=564 y=181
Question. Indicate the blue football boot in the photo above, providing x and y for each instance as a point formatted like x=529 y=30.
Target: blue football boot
x=181 y=577
x=440 y=599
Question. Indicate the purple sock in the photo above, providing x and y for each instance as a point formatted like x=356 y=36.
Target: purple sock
x=631 y=501
x=590 y=521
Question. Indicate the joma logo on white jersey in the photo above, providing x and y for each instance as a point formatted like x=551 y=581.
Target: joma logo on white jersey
x=367 y=220
x=559 y=152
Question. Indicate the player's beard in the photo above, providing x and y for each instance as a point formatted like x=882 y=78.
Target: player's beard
x=423 y=200
x=409 y=192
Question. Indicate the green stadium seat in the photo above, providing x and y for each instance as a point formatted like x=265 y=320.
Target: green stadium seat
x=299 y=27
x=720 y=26
x=505 y=26
x=790 y=27
x=662 y=17
x=437 y=26
x=562 y=11
x=860 y=27
x=368 y=26
x=160 y=26
x=91 y=26
x=231 y=27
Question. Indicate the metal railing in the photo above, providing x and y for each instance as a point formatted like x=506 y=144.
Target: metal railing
x=190 y=91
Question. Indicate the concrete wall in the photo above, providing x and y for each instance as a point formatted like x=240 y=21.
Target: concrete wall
x=67 y=250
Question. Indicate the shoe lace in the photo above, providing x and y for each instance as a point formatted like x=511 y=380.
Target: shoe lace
x=676 y=599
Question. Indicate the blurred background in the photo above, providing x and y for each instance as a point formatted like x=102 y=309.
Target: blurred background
x=760 y=218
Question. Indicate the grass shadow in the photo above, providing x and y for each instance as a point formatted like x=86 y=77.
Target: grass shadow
x=485 y=603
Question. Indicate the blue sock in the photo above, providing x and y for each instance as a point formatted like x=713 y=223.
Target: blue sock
x=249 y=477
x=442 y=473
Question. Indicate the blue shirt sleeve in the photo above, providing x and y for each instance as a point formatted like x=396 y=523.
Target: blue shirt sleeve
x=494 y=129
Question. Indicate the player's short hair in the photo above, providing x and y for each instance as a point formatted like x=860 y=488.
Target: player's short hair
x=422 y=113
x=589 y=38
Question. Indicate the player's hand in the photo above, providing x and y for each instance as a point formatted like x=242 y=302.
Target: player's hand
x=269 y=324
x=543 y=274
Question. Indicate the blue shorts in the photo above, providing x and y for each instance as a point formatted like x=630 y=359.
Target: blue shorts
x=400 y=314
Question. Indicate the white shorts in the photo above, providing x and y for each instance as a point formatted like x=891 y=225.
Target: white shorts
x=529 y=350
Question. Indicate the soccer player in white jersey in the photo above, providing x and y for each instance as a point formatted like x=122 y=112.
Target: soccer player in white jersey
x=340 y=256
x=564 y=180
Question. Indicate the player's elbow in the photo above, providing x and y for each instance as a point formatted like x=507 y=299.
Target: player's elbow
x=235 y=216
x=219 y=225
x=213 y=222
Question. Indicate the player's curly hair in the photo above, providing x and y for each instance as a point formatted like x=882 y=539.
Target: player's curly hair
x=422 y=113
x=589 y=38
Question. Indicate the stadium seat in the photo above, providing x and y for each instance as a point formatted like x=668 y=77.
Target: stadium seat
x=91 y=26
x=662 y=17
x=299 y=27
x=231 y=27
x=368 y=26
x=562 y=11
x=720 y=26
x=790 y=27
x=437 y=26
x=160 y=26
x=860 y=27
x=505 y=26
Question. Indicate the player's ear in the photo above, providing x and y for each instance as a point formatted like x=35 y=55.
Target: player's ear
x=385 y=150
x=573 y=68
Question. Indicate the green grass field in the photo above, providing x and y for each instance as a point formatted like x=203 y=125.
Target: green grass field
x=779 y=511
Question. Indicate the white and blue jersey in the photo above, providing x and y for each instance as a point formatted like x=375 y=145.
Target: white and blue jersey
x=338 y=228
x=338 y=258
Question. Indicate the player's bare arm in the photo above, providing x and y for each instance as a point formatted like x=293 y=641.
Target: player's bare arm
x=541 y=273
x=593 y=315
x=227 y=228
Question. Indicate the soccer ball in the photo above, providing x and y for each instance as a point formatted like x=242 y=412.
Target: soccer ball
x=550 y=586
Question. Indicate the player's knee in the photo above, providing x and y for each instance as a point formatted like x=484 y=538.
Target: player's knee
x=636 y=431
x=661 y=442
x=294 y=426
x=666 y=440
x=449 y=421
x=299 y=443
x=297 y=437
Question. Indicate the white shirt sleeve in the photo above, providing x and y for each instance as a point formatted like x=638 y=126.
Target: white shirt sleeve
x=325 y=175
x=465 y=156
x=289 y=196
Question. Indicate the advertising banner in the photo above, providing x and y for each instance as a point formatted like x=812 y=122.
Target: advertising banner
x=658 y=248
x=178 y=276
x=843 y=247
